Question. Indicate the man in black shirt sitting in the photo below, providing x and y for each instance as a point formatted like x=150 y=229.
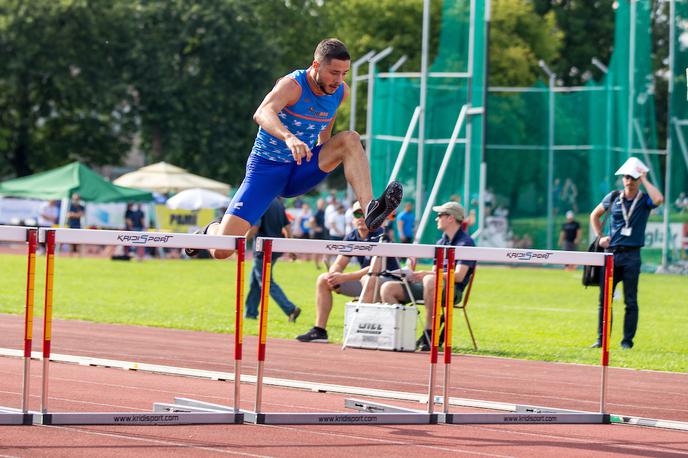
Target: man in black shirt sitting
x=347 y=283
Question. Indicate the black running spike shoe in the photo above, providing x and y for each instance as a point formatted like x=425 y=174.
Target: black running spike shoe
x=379 y=209
x=191 y=252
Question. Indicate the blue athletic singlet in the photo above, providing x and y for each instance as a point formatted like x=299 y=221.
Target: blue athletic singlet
x=271 y=170
x=310 y=115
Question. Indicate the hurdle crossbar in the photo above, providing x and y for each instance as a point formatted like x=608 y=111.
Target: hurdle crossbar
x=141 y=239
x=159 y=415
x=479 y=254
x=524 y=414
x=8 y=415
x=267 y=246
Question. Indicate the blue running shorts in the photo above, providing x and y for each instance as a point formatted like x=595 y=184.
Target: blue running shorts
x=266 y=179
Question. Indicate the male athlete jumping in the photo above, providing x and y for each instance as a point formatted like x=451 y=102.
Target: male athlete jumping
x=295 y=149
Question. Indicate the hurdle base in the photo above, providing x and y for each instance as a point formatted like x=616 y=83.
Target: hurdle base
x=182 y=411
x=10 y=416
x=192 y=405
x=539 y=409
x=329 y=418
x=523 y=418
x=137 y=418
x=377 y=407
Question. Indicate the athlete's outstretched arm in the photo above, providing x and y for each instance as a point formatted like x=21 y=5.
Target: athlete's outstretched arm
x=285 y=92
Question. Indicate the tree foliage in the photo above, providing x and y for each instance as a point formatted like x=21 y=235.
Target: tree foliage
x=183 y=75
x=588 y=31
x=82 y=79
x=61 y=95
x=519 y=38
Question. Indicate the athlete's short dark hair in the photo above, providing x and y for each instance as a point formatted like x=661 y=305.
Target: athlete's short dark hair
x=329 y=49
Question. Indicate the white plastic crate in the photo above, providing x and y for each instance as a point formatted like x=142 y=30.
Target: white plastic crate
x=380 y=326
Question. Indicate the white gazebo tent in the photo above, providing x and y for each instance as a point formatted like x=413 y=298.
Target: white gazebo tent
x=167 y=178
x=197 y=199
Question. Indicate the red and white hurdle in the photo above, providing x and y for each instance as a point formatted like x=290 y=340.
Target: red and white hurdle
x=375 y=413
x=182 y=411
x=22 y=416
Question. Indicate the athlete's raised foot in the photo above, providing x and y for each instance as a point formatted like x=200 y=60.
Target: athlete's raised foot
x=192 y=252
x=379 y=209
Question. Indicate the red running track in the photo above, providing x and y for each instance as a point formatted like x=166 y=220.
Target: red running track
x=77 y=388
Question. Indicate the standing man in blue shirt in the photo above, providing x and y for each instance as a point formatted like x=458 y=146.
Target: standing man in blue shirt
x=295 y=149
x=75 y=212
x=406 y=222
x=629 y=214
x=449 y=219
x=274 y=223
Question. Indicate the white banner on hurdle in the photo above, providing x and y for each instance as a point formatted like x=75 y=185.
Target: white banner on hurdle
x=13 y=233
x=335 y=247
x=143 y=239
x=521 y=256
x=498 y=255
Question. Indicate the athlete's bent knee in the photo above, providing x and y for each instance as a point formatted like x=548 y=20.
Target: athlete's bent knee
x=351 y=138
x=221 y=254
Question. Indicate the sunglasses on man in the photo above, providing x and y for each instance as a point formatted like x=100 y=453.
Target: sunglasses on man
x=629 y=177
x=359 y=214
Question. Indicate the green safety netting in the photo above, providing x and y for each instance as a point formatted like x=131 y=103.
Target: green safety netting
x=595 y=127
x=396 y=98
x=679 y=105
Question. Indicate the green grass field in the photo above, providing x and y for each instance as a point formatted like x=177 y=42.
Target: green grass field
x=528 y=313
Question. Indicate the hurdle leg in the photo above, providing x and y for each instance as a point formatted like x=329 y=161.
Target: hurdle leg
x=47 y=314
x=448 y=318
x=28 y=316
x=262 y=334
x=239 y=322
x=437 y=303
x=606 y=324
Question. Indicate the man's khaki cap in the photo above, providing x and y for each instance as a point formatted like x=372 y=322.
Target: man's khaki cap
x=453 y=208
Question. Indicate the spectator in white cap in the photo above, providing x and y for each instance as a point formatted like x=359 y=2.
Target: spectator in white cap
x=629 y=210
x=449 y=218
x=570 y=235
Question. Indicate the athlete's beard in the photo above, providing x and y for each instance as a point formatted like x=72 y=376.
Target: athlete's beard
x=321 y=86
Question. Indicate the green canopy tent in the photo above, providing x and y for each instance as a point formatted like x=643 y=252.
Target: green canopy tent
x=62 y=182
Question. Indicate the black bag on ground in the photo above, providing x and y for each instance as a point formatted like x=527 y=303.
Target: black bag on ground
x=592 y=275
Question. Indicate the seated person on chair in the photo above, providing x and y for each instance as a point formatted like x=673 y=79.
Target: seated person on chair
x=422 y=283
x=347 y=283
